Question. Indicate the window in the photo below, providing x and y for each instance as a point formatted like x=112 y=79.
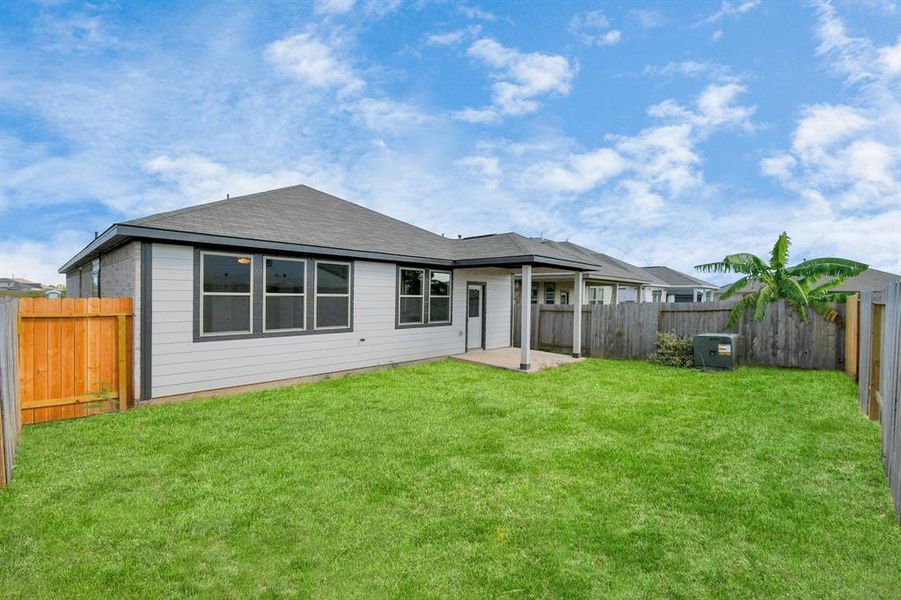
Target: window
x=332 y=295
x=534 y=293
x=411 y=296
x=474 y=303
x=439 y=297
x=95 y=278
x=595 y=294
x=564 y=297
x=284 y=300
x=550 y=291
x=423 y=297
x=656 y=295
x=225 y=294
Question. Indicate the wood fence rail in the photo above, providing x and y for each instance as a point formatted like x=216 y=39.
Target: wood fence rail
x=10 y=420
x=630 y=331
x=75 y=357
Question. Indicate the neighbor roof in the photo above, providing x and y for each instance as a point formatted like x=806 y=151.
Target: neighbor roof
x=868 y=281
x=302 y=219
x=674 y=278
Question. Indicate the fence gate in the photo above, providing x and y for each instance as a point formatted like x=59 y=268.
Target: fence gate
x=74 y=357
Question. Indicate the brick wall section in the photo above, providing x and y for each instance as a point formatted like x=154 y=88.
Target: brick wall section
x=86 y=286
x=120 y=276
x=72 y=284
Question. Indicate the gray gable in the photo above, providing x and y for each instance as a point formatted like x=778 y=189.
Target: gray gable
x=675 y=278
x=302 y=215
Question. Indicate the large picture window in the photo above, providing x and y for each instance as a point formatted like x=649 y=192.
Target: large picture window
x=225 y=294
x=424 y=297
x=284 y=297
x=238 y=295
x=332 y=295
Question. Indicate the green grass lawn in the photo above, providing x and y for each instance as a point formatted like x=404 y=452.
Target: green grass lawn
x=600 y=478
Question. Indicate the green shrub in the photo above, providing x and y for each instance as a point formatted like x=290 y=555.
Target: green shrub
x=673 y=350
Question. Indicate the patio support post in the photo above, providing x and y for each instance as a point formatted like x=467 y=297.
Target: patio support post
x=525 y=338
x=639 y=291
x=577 y=314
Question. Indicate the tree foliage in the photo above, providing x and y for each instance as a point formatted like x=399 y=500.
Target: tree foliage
x=806 y=284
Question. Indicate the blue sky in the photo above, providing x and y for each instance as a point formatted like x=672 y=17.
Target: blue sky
x=662 y=133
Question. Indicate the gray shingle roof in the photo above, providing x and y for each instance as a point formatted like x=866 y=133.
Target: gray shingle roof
x=868 y=281
x=304 y=217
x=675 y=278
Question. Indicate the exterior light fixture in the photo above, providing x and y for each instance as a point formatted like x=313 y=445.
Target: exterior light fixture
x=244 y=260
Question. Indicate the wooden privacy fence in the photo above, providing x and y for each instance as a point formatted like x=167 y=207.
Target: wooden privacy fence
x=75 y=357
x=878 y=361
x=630 y=331
x=10 y=422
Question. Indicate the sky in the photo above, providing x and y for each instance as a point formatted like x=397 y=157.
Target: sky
x=660 y=133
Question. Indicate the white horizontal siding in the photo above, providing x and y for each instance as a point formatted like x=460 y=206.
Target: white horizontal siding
x=181 y=365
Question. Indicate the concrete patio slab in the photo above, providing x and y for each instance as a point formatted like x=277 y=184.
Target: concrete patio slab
x=508 y=358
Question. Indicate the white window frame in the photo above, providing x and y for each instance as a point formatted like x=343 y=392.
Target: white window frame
x=596 y=299
x=317 y=295
x=203 y=293
x=303 y=295
x=450 y=293
x=421 y=296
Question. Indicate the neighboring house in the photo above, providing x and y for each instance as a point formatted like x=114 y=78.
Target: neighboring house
x=615 y=282
x=289 y=283
x=681 y=287
x=17 y=284
x=868 y=281
x=53 y=293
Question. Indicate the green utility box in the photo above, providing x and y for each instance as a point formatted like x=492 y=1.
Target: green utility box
x=716 y=350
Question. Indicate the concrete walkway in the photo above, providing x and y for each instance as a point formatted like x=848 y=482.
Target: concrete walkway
x=508 y=358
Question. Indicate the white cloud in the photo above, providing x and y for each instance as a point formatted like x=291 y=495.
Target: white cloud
x=693 y=68
x=76 y=33
x=610 y=38
x=844 y=157
x=593 y=28
x=731 y=10
x=715 y=107
x=779 y=166
x=314 y=62
x=205 y=180
x=38 y=260
x=456 y=36
x=333 y=7
x=578 y=173
x=474 y=12
x=520 y=77
x=648 y=18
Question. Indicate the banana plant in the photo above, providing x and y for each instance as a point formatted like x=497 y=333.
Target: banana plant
x=806 y=284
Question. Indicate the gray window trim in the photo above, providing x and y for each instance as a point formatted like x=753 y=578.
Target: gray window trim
x=303 y=294
x=249 y=293
x=426 y=296
x=348 y=295
x=257 y=297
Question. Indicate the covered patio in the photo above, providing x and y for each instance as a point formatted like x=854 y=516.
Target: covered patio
x=509 y=358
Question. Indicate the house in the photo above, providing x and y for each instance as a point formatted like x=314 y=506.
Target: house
x=869 y=281
x=681 y=287
x=17 y=284
x=294 y=282
x=614 y=282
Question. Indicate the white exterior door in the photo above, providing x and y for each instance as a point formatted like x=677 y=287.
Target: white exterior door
x=474 y=316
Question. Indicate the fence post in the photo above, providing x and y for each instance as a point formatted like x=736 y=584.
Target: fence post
x=123 y=364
